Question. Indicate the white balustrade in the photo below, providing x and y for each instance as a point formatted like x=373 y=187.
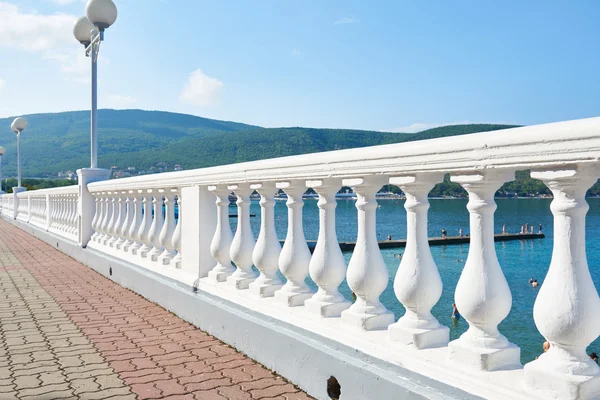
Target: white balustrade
x=221 y=243
x=168 y=229
x=294 y=258
x=37 y=210
x=367 y=273
x=563 y=155
x=243 y=241
x=22 y=207
x=157 y=224
x=418 y=285
x=62 y=210
x=566 y=310
x=327 y=266
x=482 y=295
x=267 y=249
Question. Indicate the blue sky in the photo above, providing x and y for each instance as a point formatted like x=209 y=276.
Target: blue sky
x=384 y=65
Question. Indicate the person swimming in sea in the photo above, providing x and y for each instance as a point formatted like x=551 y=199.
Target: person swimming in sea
x=533 y=282
x=455 y=313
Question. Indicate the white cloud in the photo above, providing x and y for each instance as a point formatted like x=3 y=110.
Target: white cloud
x=34 y=32
x=346 y=20
x=120 y=101
x=295 y=52
x=50 y=36
x=201 y=90
x=2 y=84
x=72 y=63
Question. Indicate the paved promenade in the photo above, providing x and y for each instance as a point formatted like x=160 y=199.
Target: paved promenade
x=68 y=332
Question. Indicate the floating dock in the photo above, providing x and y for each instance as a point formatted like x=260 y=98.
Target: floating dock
x=437 y=241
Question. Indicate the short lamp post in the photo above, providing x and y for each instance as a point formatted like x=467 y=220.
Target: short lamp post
x=2 y=151
x=89 y=31
x=18 y=126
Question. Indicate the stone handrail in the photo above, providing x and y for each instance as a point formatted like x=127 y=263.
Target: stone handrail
x=134 y=219
x=539 y=146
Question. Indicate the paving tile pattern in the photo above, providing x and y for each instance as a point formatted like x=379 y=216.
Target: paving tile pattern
x=68 y=332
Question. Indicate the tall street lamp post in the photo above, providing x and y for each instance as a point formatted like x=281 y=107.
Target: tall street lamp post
x=89 y=31
x=18 y=125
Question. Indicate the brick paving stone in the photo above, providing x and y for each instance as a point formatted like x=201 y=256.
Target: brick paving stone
x=68 y=332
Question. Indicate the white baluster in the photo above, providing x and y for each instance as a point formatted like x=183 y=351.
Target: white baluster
x=120 y=221
x=168 y=229
x=104 y=227
x=267 y=249
x=32 y=204
x=176 y=261
x=60 y=202
x=113 y=215
x=74 y=215
x=482 y=295
x=134 y=229
x=51 y=210
x=144 y=232
x=566 y=310
x=367 y=273
x=97 y=221
x=219 y=247
x=127 y=241
x=156 y=227
x=294 y=258
x=243 y=240
x=418 y=285
x=63 y=212
x=327 y=265
x=67 y=213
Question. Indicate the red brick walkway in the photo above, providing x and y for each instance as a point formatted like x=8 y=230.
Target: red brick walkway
x=150 y=352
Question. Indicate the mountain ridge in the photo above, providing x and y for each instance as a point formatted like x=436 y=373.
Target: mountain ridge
x=56 y=142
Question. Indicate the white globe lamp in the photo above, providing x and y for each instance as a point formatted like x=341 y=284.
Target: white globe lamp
x=101 y=13
x=17 y=126
x=82 y=31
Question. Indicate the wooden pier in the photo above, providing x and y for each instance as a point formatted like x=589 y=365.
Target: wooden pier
x=437 y=241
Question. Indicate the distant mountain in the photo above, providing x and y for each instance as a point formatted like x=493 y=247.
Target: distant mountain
x=136 y=138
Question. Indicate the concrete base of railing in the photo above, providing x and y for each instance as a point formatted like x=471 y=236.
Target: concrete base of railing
x=575 y=387
x=300 y=346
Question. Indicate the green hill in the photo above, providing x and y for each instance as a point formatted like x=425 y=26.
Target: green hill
x=136 y=138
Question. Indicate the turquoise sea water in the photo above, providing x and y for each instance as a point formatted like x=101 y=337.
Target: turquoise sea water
x=520 y=260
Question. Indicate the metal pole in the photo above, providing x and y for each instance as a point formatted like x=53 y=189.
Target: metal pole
x=0 y=173
x=19 y=158
x=94 y=116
